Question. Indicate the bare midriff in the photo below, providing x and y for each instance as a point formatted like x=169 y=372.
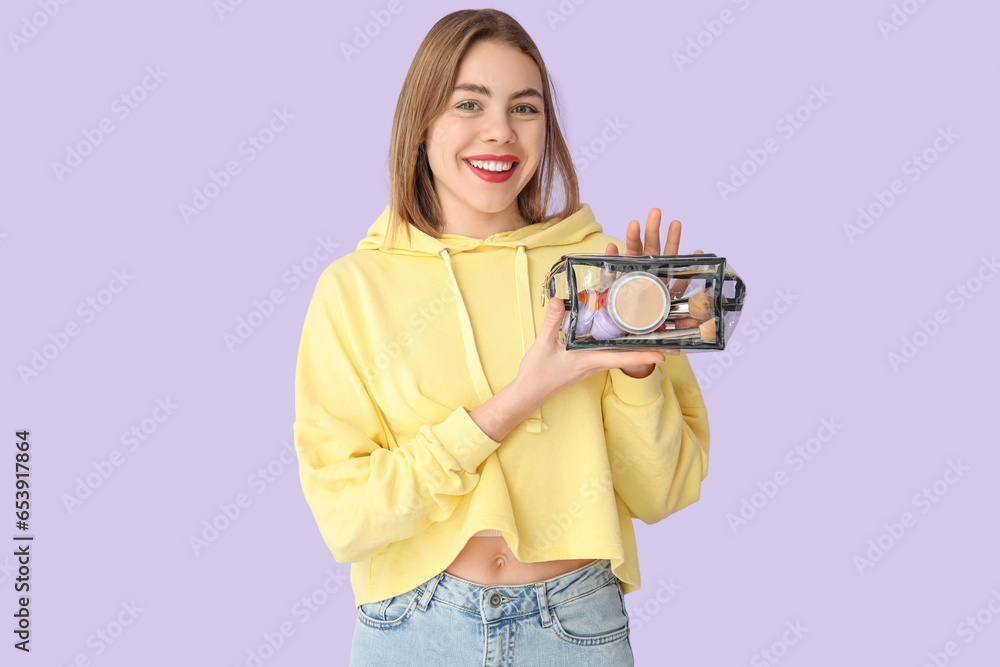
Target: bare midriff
x=489 y=561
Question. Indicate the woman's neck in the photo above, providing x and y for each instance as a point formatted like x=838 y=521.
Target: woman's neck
x=482 y=227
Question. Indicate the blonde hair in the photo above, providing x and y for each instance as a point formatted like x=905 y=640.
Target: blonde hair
x=426 y=90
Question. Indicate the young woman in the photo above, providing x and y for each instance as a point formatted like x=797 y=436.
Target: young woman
x=480 y=478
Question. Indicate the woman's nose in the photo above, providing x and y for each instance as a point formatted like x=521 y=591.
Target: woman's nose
x=497 y=126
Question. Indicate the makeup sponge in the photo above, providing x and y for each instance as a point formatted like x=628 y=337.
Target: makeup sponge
x=603 y=327
x=584 y=320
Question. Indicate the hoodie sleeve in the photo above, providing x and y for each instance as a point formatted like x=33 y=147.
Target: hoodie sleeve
x=365 y=493
x=656 y=430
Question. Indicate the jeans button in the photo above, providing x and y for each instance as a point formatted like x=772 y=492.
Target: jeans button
x=495 y=599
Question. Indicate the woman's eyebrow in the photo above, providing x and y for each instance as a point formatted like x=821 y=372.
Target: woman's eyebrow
x=483 y=90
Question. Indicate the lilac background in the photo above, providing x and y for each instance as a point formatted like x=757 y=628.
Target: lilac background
x=682 y=130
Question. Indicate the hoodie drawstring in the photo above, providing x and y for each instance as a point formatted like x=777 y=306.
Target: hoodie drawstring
x=534 y=424
x=471 y=354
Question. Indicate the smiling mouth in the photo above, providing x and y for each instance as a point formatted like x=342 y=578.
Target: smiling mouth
x=491 y=166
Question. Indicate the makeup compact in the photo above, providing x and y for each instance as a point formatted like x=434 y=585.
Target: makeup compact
x=638 y=302
x=667 y=301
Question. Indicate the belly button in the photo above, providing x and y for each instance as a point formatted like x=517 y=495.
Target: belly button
x=500 y=561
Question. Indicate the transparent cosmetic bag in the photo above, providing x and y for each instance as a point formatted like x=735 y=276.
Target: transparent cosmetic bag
x=689 y=302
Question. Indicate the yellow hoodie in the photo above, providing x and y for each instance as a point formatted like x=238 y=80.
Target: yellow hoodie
x=400 y=343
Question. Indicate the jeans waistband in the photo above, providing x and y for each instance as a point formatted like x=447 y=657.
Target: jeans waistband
x=497 y=601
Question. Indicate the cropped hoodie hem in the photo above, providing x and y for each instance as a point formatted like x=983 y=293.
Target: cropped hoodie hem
x=400 y=342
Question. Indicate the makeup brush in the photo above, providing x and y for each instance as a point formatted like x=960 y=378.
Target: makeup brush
x=681 y=322
x=670 y=334
x=707 y=329
x=698 y=305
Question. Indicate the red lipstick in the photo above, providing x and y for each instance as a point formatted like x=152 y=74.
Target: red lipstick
x=492 y=176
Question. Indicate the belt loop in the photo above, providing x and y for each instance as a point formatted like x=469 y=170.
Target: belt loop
x=543 y=604
x=425 y=599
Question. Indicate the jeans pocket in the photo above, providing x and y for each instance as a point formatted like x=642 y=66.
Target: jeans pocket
x=597 y=617
x=390 y=613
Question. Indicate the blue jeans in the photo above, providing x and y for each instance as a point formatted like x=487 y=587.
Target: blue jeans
x=577 y=618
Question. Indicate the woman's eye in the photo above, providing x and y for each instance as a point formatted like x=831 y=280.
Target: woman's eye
x=527 y=108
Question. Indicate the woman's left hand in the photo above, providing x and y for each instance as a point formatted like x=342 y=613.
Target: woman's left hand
x=637 y=243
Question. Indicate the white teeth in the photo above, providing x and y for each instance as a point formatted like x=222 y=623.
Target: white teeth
x=491 y=165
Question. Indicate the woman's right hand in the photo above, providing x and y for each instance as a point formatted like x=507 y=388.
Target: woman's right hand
x=548 y=367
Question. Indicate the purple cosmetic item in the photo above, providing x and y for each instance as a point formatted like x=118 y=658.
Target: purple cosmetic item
x=584 y=319
x=603 y=327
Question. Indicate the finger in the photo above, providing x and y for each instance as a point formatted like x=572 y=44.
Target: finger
x=680 y=286
x=607 y=275
x=652 y=245
x=633 y=238
x=553 y=318
x=670 y=248
x=673 y=238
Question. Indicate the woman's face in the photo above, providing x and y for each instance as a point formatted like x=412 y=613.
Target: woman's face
x=495 y=113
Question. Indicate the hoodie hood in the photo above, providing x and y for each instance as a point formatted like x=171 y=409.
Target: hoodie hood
x=567 y=231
